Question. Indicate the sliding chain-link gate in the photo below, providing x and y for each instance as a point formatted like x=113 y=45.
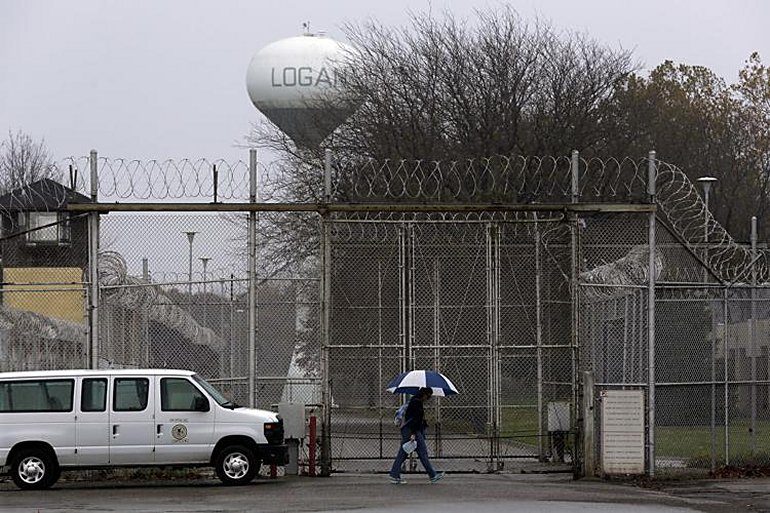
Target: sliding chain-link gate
x=486 y=302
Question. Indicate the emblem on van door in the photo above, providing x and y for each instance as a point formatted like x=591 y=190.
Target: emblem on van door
x=179 y=432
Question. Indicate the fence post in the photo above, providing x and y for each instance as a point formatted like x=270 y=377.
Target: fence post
x=438 y=449
x=325 y=321
x=652 y=267
x=713 y=305
x=92 y=351
x=252 y=276
x=589 y=430
x=493 y=340
x=725 y=367
x=539 y=343
x=574 y=285
x=753 y=334
x=406 y=292
x=146 y=314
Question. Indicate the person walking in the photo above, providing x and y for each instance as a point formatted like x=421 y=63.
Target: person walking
x=413 y=428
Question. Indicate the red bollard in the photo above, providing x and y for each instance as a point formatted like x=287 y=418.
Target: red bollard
x=273 y=471
x=311 y=447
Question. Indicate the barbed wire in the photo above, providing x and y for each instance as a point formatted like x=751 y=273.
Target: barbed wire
x=133 y=293
x=684 y=209
x=508 y=179
x=615 y=278
x=517 y=179
x=37 y=326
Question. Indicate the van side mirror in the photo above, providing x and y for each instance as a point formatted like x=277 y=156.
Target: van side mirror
x=200 y=404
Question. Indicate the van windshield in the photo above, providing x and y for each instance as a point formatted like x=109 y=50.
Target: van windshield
x=214 y=393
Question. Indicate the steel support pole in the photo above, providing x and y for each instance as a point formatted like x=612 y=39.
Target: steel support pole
x=326 y=297
x=706 y=236
x=190 y=237
x=403 y=300
x=380 y=377
x=205 y=262
x=252 y=281
x=753 y=335
x=625 y=339
x=230 y=338
x=712 y=309
x=539 y=343
x=146 y=314
x=497 y=391
x=401 y=297
x=93 y=269
x=438 y=449
x=411 y=282
x=491 y=427
x=726 y=355
x=574 y=287
x=589 y=432
x=652 y=268
x=406 y=243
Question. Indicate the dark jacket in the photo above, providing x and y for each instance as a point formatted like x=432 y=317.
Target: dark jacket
x=415 y=416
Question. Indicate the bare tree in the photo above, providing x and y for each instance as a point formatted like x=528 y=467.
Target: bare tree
x=441 y=89
x=438 y=89
x=23 y=161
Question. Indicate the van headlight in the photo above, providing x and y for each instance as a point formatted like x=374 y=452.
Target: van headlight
x=274 y=432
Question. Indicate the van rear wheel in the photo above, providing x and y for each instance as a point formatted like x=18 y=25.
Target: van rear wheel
x=236 y=465
x=34 y=469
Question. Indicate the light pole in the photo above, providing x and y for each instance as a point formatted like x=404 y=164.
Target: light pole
x=205 y=262
x=706 y=182
x=190 y=237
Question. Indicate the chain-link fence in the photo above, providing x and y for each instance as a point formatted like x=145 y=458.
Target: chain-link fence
x=510 y=274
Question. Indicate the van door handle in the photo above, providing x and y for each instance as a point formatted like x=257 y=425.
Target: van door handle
x=159 y=432
x=115 y=433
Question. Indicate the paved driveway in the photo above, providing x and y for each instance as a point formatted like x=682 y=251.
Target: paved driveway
x=371 y=493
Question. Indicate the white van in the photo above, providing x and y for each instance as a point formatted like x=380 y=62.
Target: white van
x=85 y=419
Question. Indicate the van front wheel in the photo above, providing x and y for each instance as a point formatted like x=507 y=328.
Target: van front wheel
x=236 y=465
x=34 y=469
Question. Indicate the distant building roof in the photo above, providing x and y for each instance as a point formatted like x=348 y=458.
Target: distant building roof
x=45 y=194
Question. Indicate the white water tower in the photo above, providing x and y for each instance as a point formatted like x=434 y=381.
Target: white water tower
x=295 y=82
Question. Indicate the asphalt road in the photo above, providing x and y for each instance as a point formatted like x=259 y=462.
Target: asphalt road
x=373 y=494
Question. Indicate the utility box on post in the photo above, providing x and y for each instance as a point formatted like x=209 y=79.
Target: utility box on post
x=558 y=428
x=293 y=416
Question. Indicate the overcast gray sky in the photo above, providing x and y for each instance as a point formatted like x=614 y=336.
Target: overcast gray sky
x=165 y=79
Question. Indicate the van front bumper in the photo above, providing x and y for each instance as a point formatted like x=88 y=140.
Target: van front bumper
x=273 y=454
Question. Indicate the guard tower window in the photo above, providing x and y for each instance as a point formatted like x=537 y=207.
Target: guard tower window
x=58 y=233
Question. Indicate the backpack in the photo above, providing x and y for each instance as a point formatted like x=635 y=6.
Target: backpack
x=399 y=419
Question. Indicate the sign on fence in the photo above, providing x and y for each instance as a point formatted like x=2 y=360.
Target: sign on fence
x=622 y=431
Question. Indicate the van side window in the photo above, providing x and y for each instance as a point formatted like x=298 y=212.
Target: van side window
x=130 y=394
x=178 y=394
x=53 y=395
x=5 y=397
x=93 y=395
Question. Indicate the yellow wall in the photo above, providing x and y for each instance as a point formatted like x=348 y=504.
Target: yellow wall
x=63 y=300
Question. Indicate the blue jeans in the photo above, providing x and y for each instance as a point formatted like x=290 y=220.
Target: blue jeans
x=422 y=452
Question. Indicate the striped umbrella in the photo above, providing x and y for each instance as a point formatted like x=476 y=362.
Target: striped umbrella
x=411 y=382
